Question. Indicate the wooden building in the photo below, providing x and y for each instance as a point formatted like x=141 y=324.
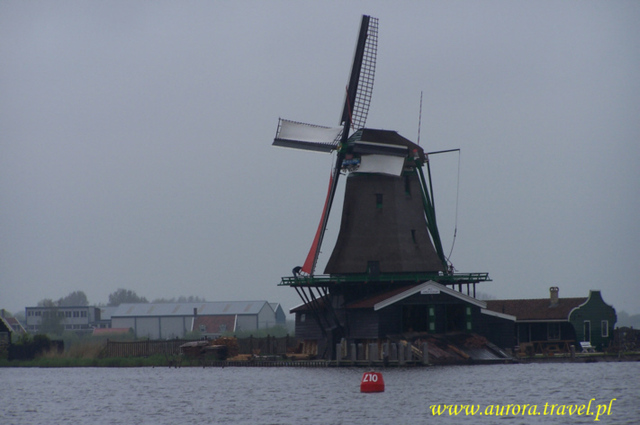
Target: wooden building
x=403 y=312
x=554 y=323
x=5 y=334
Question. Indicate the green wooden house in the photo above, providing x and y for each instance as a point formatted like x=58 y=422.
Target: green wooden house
x=554 y=324
x=594 y=321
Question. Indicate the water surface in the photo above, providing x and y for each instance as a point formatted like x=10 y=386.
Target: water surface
x=313 y=395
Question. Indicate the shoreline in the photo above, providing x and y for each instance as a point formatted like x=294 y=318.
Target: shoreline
x=177 y=362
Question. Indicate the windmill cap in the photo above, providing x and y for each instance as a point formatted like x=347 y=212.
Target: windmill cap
x=389 y=142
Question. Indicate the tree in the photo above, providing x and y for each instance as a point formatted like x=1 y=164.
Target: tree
x=180 y=299
x=125 y=296
x=51 y=318
x=47 y=302
x=52 y=321
x=76 y=298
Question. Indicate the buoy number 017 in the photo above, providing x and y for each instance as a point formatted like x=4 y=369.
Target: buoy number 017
x=370 y=377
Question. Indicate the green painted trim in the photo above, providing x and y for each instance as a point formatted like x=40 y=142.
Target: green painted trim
x=330 y=280
x=430 y=213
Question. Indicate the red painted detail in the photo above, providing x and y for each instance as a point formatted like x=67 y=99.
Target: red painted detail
x=372 y=382
x=309 y=263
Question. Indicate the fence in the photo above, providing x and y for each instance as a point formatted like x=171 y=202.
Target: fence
x=268 y=345
x=143 y=348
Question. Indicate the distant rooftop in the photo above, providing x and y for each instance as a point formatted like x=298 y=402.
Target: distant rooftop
x=186 y=309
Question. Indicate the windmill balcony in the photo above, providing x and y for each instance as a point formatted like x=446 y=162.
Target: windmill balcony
x=404 y=278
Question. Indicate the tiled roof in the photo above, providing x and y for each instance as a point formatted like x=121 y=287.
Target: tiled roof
x=186 y=309
x=215 y=324
x=536 y=309
x=409 y=290
x=15 y=324
x=307 y=306
x=372 y=301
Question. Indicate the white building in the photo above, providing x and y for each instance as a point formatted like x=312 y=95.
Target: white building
x=72 y=318
x=174 y=320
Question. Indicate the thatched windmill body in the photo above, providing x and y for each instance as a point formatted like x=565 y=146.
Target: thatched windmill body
x=388 y=233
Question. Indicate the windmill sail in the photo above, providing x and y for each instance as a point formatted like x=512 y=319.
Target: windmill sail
x=355 y=109
x=310 y=263
x=292 y=134
x=317 y=138
x=360 y=86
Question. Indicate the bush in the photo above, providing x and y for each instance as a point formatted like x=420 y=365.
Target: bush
x=27 y=348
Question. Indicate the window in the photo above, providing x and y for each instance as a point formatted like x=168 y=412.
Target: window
x=379 y=200
x=76 y=314
x=407 y=186
x=413 y=235
x=432 y=319
x=605 y=328
x=223 y=328
x=203 y=328
x=586 y=331
x=67 y=314
x=303 y=317
x=553 y=331
x=83 y=314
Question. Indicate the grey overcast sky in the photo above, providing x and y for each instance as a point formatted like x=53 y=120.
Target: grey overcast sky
x=135 y=141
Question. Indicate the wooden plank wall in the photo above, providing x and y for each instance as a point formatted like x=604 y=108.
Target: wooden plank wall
x=269 y=345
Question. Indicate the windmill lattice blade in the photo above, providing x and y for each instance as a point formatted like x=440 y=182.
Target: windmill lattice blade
x=360 y=87
x=367 y=74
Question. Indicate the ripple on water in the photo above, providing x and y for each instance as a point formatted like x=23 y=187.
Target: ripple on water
x=314 y=396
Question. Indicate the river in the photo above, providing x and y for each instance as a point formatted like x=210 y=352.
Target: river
x=322 y=395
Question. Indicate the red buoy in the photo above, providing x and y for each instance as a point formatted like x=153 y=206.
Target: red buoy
x=372 y=382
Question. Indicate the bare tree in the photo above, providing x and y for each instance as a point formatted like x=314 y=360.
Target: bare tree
x=125 y=296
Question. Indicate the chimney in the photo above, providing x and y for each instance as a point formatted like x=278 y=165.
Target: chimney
x=195 y=311
x=553 y=295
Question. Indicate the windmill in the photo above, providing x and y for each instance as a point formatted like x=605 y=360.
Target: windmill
x=388 y=233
